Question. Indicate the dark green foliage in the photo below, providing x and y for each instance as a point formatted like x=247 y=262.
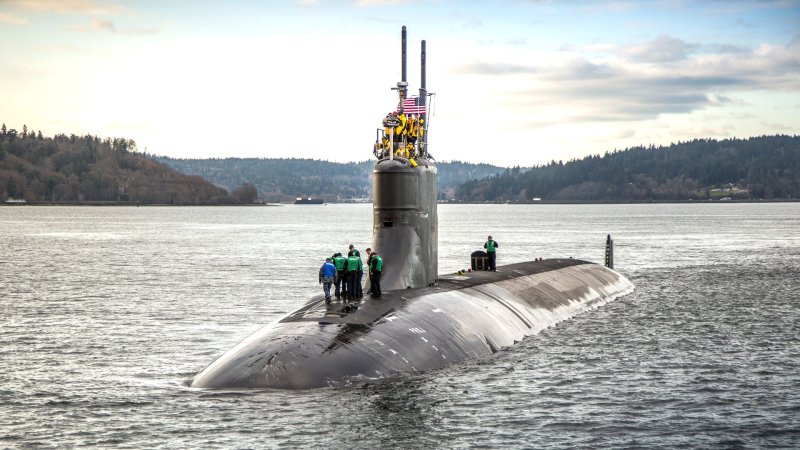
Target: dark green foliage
x=285 y=179
x=246 y=193
x=74 y=169
x=766 y=167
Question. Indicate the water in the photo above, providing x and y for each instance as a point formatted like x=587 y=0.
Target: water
x=105 y=312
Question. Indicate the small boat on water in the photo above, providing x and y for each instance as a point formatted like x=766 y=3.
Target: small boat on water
x=308 y=201
x=15 y=201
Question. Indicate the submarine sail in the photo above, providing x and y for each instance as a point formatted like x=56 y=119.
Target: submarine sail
x=404 y=185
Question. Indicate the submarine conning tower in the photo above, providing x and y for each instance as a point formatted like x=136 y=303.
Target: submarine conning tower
x=404 y=227
x=404 y=222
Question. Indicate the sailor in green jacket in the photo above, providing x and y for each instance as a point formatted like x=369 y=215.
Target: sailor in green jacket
x=351 y=276
x=491 y=250
x=341 y=286
x=358 y=292
x=375 y=270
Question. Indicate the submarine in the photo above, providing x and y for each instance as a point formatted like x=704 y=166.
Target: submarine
x=423 y=321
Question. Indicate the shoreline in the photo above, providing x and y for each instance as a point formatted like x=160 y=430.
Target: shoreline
x=646 y=202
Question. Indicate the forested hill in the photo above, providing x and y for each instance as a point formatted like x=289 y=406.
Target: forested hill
x=766 y=167
x=285 y=179
x=87 y=169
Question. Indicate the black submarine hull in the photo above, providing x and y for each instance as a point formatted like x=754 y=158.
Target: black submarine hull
x=414 y=330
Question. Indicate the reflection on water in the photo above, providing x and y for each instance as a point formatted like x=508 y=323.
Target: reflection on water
x=105 y=312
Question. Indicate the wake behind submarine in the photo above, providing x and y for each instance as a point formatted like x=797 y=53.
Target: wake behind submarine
x=420 y=323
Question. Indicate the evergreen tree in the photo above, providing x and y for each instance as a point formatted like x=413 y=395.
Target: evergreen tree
x=80 y=168
x=763 y=167
x=246 y=193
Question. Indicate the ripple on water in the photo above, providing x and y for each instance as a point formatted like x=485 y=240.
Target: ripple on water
x=107 y=312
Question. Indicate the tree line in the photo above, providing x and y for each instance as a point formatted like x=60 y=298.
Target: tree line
x=88 y=169
x=765 y=167
x=284 y=179
x=74 y=169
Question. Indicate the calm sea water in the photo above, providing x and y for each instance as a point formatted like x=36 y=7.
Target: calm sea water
x=106 y=312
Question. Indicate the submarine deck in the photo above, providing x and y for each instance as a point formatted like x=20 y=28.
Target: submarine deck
x=370 y=310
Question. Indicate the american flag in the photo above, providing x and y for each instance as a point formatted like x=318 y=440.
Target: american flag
x=413 y=105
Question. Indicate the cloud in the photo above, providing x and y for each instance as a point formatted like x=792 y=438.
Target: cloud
x=795 y=42
x=95 y=25
x=628 y=96
x=721 y=100
x=13 y=20
x=142 y=31
x=487 y=68
x=380 y=2
x=778 y=126
x=89 y=7
x=726 y=48
x=582 y=68
x=510 y=41
x=663 y=49
x=702 y=132
x=563 y=88
x=104 y=25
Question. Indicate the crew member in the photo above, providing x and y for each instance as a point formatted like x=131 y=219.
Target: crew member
x=340 y=262
x=491 y=250
x=360 y=273
x=375 y=270
x=401 y=131
x=369 y=265
x=359 y=276
x=351 y=276
x=420 y=134
x=413 y=129
x=327 y=275
x=386 y=146
x=391 y=131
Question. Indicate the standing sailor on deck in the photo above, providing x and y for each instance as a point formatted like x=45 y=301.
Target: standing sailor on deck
x=491 y=250
x=351 y=275
x=375 y=270
x=341 y=285
x=327 y=275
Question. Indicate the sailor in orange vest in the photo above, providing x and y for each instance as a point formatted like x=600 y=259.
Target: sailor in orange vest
x=401 y=131
x=413 y=134
x=387 y=131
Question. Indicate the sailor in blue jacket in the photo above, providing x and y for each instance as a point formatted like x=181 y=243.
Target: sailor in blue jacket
x=327 y=275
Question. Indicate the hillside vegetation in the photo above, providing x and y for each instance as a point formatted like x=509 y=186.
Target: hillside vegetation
x=285 y=179
x=87 y=169
x=766 y=167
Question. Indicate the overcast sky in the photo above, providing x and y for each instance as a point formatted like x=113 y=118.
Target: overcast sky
x=516 y=82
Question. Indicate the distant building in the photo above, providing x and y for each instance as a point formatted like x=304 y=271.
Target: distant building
x=15 y=201
x=308 y=201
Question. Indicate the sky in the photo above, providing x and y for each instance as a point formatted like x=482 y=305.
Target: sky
x=515 y=82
